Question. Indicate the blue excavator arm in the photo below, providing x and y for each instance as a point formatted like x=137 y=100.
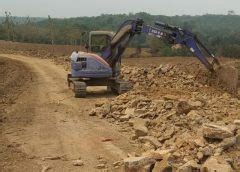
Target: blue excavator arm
x=171 y=34
x=176 y=35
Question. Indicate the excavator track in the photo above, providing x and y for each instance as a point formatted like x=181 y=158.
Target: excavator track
x=80 y=89
x=119 y=86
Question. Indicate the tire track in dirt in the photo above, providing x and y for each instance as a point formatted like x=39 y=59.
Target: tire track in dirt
x=50 y=122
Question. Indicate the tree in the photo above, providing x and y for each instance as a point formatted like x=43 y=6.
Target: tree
x=9 y=24
x=30 y=33
x=51 y=29
x=231 y=12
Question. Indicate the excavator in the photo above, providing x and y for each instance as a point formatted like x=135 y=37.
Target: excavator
x=101 y=64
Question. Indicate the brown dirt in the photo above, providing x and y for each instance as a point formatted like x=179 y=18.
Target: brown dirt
x=47 y=121
x=164 y=97
x=14 y=77
x=39 y=116
x=49 y=51
x=37 y=50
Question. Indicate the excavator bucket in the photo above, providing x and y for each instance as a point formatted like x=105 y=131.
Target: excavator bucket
x=227 y=77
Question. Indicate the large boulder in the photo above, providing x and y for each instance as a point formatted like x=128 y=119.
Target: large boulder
x=124 y=118
x=216 y=164
x=105 y=110
x=159 y=154
x=183 y=107
x=140 y=130
x=227 y=143
x=190 y=166
x=139 y=126
x=137 y=164
x=213 y=131
x=150 y=139
x=237 y=123
x=129 y=111
x=238 y=140
x=195 y=104
x=162 y=166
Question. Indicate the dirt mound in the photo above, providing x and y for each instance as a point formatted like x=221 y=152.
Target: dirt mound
x=170 y=110
x=14 y=77
x=37 y=50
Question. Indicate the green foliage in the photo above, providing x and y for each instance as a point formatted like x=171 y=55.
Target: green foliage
x=230 y=50
x=220 y=33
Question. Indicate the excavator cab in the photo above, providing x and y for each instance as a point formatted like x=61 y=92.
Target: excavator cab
x=99 y=40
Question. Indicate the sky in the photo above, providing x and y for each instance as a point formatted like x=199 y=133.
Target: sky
x=78 y=8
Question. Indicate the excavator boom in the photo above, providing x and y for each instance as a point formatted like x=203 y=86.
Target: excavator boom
x=170 y=34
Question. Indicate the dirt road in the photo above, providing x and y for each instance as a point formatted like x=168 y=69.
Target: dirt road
x=47 y=127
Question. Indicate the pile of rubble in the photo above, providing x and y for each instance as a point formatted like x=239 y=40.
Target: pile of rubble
x=177 y=122
x=165 y=76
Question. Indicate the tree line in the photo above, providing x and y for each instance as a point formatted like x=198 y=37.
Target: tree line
x=220 y=33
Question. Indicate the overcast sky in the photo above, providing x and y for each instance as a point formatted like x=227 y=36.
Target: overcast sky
x=76 y=8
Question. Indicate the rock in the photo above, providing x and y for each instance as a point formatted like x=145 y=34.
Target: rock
x=78 y=163
x=194 y=116
x=129 y=111
x=52 y=158
x=141 y=131
x=124 y=118
x=139 y=112
x=168 y=134
x=237 y=122
x=99 y=157
x=150 y=76
x=200 y=156
x=170 y=97
x=117 y=163
x=153 y=141
x=216 y=132
x=218 y=151
x=93 y=113
x=195 y=104
x=183 y=107
x=228 y=142
x=166 y=68
x=207 y=151
x=232 y=128
x=99 y=104
x=105 y=110
x=162 y=166
x=102 y=161
x=46 y=168
x=146 y=146
x=136 y=163
x=190 y=166
x=147 y=168
x=238 y=140
x=168 y=105
x=139 y=126
x=200 y=142
x=190 y=77
x=170 y=114
x=216 y=164
x=159 y=154
x=134 y=102
x=101 y=166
